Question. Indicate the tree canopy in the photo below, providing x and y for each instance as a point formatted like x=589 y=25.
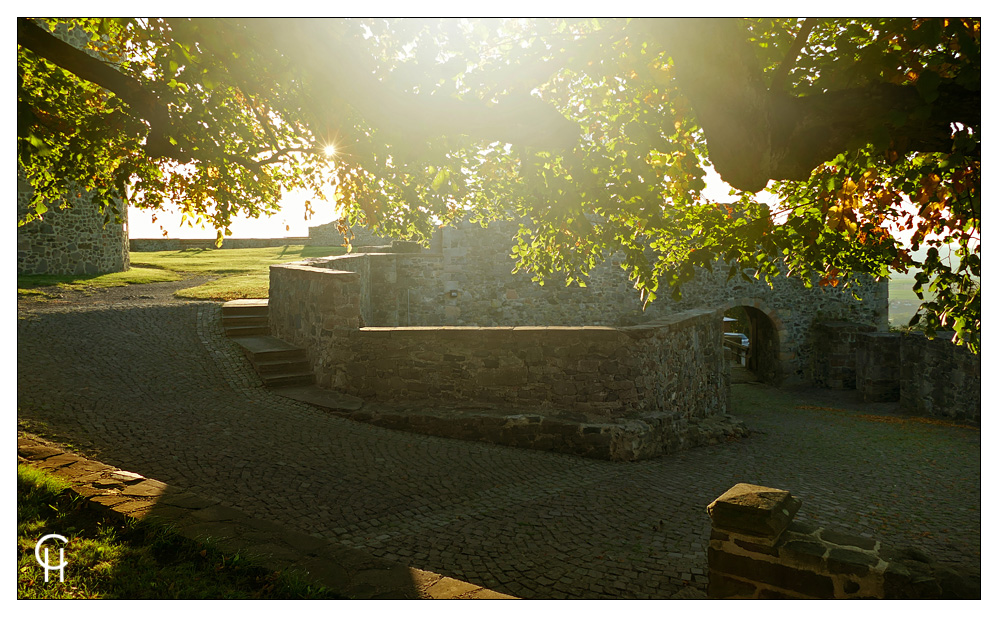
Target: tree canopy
x=595 y=134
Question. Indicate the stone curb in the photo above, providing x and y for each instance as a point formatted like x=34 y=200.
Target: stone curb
x=351 y=572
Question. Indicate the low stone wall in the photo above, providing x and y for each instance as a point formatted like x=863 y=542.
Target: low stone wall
x=939 y=378
x=180 y=244
x=833 y=361
x=878 y=366
x=669 y=365
x=757 y=552
x=317 y=309
x=632 y=392
x=929 y=377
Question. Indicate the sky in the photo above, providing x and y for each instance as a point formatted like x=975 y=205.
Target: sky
x=290 y=222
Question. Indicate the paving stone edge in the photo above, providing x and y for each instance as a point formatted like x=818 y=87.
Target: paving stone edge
x=351 y=572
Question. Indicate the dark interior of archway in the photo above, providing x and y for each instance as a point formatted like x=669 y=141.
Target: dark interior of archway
x=764 y=345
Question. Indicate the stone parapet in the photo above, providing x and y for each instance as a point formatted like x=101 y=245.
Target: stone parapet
x=317 y=309
x=878 y=366
x=757 y=552
x=939 y=378
x=833 y=360
x=673 y=365
x=650 y=388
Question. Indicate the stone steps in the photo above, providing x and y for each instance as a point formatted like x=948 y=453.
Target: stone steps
x=279 y=364
x=246 y=306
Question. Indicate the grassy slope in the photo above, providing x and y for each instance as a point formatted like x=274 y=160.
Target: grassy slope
x=110 y=559
x=33 y=284
x=241 y=273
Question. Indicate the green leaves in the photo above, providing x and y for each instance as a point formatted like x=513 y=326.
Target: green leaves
x=225 y=117
x=928 y=85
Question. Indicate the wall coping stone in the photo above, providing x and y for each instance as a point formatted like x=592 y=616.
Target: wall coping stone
x=755 y=510
x=806 y=561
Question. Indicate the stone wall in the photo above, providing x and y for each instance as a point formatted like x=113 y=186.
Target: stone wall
x=673 y=366
x=929 y=377
x=939 y=378
x=833 y=361
x=756 y=551
x=76 y=240
x=473 y=285
x=317 y=309
x=180 y=244
x=397 y=289
x=629 y=393
x=878 y=366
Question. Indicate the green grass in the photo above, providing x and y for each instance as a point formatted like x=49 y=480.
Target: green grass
x=243 y=273
x=28 y=285
x=903 y=301
x=113 y=560
x=229 y=261
x=256 y=285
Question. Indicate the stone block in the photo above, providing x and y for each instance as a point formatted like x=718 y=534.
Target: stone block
x=845 y=561
x=754 y=510
x=720 y=587
x=805 y=552
x=844 y=539
x=804 y=582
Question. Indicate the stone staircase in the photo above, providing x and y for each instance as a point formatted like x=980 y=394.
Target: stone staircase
x=279 y=364
x=245 y=318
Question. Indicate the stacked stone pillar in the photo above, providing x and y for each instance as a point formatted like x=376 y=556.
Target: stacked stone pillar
x=757 y=551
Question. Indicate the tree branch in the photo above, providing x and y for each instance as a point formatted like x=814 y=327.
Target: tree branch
x=755 y=134
x=143 y=103
x=792 y=54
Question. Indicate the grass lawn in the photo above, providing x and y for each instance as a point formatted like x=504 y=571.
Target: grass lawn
x=903 y=301
x=42 y=286
x=241 y=273
x=113 y=560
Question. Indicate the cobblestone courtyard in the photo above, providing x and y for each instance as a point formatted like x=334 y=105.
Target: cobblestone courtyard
x=154 y=387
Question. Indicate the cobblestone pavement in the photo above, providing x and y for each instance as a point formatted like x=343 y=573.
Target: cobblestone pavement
x=157 y=389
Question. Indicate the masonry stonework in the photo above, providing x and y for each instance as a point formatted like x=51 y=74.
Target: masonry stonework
x=79 y=239
x=939 y=378
x=631 y=392
x=471 y=284
x=757 y=551
x=878 y=366
x=833 y=362
x=76 y=240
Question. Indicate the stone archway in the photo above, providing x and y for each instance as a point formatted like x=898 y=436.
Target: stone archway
x=768 y=356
